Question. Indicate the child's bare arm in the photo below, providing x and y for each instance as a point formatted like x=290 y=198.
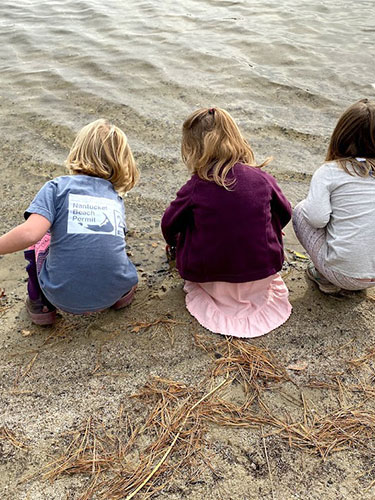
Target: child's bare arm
x=25 y=234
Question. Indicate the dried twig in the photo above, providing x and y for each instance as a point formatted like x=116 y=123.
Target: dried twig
x=268 y=463
x=363 y=359
x=26 y=371
x=10 y=436
x=166 y=322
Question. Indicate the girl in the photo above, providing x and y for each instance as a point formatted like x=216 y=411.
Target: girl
x=226 y=223
x=77 y=223
x=336 y=223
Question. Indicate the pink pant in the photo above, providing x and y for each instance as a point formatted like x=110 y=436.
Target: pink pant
x=314 y=242
x=35 y=256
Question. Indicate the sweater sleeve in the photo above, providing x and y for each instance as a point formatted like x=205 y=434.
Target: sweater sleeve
x=280 y=206
x=317 y=207
x=178 y=214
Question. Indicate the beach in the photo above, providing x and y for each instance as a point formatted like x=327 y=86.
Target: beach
x=86 y=369
x=96 y=401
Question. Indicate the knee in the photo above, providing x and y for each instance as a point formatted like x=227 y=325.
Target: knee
x=298 y=208
x=297 y=214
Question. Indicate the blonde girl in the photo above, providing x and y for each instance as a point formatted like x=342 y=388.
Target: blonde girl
x=75 y=230
x=336 y=222
x=226 y=224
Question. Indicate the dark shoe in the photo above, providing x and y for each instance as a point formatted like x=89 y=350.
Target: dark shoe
x=39 y=313
x=324 y=285
x=125 y=299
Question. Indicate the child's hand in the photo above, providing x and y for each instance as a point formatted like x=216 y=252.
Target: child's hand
x=171 y=253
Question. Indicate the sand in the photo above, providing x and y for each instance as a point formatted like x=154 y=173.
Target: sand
x=56 y=379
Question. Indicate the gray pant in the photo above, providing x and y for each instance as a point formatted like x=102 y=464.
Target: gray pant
x=314 y=242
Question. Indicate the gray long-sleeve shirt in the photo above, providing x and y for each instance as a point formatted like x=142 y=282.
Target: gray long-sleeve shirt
x=344 y=204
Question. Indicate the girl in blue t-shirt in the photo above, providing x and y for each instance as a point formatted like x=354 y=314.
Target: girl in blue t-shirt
x=74 y=234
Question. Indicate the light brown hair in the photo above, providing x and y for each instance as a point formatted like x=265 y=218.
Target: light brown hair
x=354 y=137
x=212 y=144
x=101 y=150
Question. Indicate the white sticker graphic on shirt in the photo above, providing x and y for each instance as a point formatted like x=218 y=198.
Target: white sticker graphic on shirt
x=89 y=215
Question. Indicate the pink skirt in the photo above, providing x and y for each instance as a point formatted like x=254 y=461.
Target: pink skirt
x=239 y=309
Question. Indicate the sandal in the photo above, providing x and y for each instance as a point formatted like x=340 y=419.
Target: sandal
x=40 y=313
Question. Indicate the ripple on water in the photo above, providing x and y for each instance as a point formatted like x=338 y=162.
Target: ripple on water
x=284 y=69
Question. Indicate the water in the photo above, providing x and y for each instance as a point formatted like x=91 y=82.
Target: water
x=285 y=70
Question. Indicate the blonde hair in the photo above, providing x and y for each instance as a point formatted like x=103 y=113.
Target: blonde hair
x=212 y=144
x=101 y=150
x=354 y=137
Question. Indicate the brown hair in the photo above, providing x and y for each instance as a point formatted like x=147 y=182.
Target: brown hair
x=354 y=137
x=101 y=150
x=212 y=143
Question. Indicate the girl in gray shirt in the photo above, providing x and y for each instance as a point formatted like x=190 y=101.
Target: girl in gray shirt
x=336 y=222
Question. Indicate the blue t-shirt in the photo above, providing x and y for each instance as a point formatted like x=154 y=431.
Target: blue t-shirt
x=87 y=267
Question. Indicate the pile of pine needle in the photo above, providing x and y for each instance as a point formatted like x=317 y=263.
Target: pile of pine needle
x=118 y=463
x=124 y=459
x=245 y=362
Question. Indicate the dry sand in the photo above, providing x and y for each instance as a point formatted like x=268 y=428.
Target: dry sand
x=53 y=379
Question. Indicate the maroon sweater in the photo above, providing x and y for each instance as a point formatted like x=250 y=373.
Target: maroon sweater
x=232 y=236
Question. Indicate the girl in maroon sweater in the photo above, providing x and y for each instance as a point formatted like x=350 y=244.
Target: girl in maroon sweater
x=226 y=224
